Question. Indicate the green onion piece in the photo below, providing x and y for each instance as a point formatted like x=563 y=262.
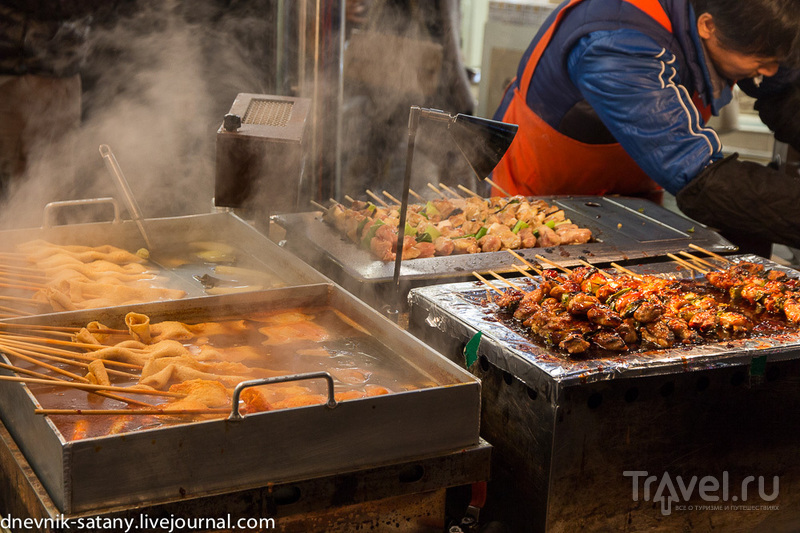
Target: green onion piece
x=481 y=232
x=521 y=224
x=550 y=224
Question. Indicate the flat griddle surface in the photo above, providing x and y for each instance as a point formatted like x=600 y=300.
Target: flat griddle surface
x=622 y=228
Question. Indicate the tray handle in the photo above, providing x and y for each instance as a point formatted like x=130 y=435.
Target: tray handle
x=236 y=415
x=50 y=208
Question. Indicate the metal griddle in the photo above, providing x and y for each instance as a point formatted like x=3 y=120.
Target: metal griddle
x=623 y=229
x=196 y=458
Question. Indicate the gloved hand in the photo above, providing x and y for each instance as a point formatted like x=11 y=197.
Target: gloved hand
x=781 y=114
x=745 y=198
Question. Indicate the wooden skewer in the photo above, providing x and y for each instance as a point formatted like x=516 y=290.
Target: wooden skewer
x=39 y=375
x=486 y=282
x=15 y=312
x=588 y=264
x=533 y=267
x=504 y=280
x=523 y=271
x=19 y=275
x=552 y=263
x=57 y=342
x=377 y=198
x=69 y=329
x=20 y=287
x=624 y=270
x=392 y=198
x=496 y=186
x=698 y=260
x=318 y=206
x=42 y=364
x=24 y=301
x=66 y=361
x=434 y=189
x=349 y=199
x=417 y=196
x=471 y=193
x=150 y=412
x=334 y=201
x=17 y=268
x=92 y=387
x=450 y=190
x=49 y=352
x=687 y=264
x=712 y=254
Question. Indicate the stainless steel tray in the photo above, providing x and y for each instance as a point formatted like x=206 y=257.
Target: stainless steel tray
x=254 y=251
x=623 y=228
x=275 y=446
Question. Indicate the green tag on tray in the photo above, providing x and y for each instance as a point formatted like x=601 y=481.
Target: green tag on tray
x=471 y=349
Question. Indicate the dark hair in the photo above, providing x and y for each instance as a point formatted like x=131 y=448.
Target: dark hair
x=767 y=28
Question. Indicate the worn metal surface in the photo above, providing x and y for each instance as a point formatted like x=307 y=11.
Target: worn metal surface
x=565 y=432
x=273 y=446
x=623 y=228
x=409 y=491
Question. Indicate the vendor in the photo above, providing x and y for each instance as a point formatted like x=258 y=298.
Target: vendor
x=612 y=97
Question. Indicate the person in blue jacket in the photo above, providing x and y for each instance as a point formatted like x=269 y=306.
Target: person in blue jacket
x=613 y=97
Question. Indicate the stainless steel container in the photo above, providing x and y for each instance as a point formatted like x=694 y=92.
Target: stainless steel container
x=253 y=250
x=571 y=435
x=270 y=447
x=623 y=228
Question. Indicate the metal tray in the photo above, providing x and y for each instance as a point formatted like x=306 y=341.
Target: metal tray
x=623 y=228
x=254 y=251
x=270 y=447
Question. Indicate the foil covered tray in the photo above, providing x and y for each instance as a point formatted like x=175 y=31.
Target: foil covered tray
x=194 y=458
x=461 y=311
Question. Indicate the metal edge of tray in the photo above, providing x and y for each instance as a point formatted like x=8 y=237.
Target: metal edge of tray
x=625 y=229
x=449 y=309
x=218 y=454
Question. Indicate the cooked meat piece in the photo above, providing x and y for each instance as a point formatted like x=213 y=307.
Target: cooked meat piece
x=466 y=245
x=657 y=334
x=547 y=237
x=443 y=245
x=574 y=343
x=603 y=316
x=490 y=243
x=580 y=303
x=609 y=340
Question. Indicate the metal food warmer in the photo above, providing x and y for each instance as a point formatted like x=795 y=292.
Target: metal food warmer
x=236 y=256
x=623 y=228
x=405 y=442
x=575 y=440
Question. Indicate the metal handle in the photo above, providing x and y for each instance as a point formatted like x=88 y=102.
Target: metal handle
x=235 y=415
x=125 y=190
x=53 y=206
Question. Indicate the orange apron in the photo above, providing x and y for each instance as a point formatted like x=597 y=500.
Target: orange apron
x=541 y=161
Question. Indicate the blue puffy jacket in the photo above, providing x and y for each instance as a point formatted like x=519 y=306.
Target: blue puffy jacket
x=614 y=74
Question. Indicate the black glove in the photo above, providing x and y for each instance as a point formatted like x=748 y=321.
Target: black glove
x=747 y=199
x=781 y=114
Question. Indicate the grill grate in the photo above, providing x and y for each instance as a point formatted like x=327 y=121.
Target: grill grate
x=268 y=113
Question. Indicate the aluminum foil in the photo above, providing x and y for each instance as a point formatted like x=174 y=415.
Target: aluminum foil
x=461 y=310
